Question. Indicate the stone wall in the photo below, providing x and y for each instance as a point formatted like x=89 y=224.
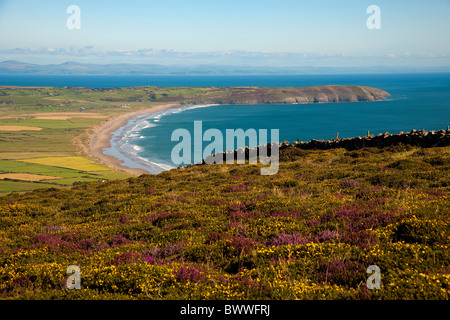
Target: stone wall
x=419 y=138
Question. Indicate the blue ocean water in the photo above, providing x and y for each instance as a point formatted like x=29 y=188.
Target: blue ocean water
x=417 y=101
x=391 y=81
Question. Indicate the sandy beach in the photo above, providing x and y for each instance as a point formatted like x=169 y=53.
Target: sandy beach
x=100 y=139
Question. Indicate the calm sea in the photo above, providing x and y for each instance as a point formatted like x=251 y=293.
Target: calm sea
x=418 y=101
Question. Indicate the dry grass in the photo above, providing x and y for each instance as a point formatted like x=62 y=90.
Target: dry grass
x=67 y=115
x=57 y=116
x=19 y=128
x=26 y=177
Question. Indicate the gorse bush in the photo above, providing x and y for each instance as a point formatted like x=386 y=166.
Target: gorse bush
x=226 y=232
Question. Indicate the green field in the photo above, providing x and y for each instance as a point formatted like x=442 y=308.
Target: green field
x=68 y=113
x=84 y=173
x=20 y=151
x=74 y=163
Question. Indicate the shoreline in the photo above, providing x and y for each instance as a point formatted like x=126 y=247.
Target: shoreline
x=101 y=138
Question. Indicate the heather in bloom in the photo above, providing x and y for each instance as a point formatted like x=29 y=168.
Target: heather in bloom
x=361 y=215
x=189 y=273
x=340 y=272
x=117 y=240
x=242 y=244
x=283 y=239
x=126 y=258
x=226 y=232
x=328 y=235
x=236 y=188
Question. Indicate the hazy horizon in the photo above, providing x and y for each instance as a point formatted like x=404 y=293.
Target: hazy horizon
x=284 y=33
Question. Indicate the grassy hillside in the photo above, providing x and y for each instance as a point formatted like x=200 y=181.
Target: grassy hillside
x=226 y=232
x=54 y=124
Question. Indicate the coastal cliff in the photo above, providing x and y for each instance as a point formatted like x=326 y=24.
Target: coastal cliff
x=297 y=95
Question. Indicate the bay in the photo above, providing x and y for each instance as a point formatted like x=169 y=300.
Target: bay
x=417 y=101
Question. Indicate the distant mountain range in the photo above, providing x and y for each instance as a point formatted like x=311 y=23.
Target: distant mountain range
x=13 y=67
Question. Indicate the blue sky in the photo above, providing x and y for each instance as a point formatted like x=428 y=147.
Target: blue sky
x=263 y=32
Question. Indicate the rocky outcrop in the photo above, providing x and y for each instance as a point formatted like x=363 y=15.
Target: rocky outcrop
x=419 y=138
x=335 y=93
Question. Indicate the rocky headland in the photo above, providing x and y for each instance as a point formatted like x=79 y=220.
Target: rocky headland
x=292 y=95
